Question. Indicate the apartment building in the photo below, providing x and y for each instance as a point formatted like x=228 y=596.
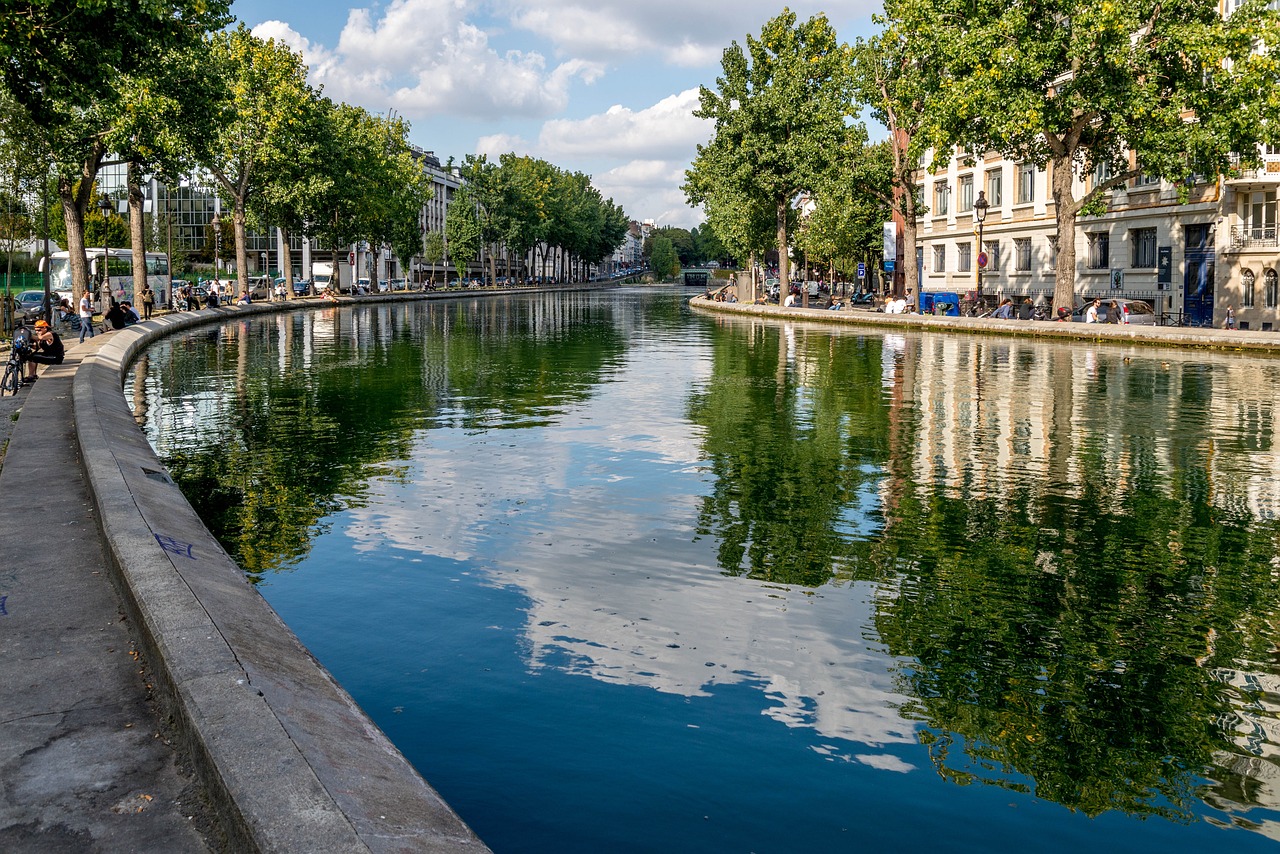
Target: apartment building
x=1191 y=250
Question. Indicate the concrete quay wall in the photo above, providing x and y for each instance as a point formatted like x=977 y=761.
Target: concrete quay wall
x=289 y=759
x=1158 y=336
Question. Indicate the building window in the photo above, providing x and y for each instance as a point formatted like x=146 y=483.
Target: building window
x=964 y=257
x=1026 y=183
x=1099 y=251
x=1144 y=247
x=940 y=258
x=966 y=194
x=1101 y=173
x=1022 y=254
x=1248 y=283
x=995 y=184
x=940 y=193
x=1269 y=288
x=993 y=256
x=1145 y=180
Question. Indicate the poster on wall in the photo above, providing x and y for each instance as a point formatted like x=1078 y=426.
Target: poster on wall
x=1117 y=279
x=1164 y=268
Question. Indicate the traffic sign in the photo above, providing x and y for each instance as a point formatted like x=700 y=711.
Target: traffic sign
x=862 y=270
x=888 y=265
x=982 y=260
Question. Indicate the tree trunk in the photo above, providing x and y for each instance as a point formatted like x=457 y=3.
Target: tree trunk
x=137 y=240
x=75 y=196
x=784 y=277
x=286 y=263
x=242 y=254
x=910 y=267
x=1064 y=277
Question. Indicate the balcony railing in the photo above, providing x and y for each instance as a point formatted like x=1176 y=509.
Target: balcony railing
x=1248 y=238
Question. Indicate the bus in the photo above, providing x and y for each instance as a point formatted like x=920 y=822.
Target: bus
x=120 y=263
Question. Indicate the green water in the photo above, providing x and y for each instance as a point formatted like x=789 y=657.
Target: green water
x=617 y=576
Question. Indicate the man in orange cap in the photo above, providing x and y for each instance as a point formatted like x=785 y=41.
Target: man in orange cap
x=47 y=349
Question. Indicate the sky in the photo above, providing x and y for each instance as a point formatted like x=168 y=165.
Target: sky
x=603 y=87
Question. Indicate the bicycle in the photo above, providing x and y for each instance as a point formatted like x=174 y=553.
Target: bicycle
x=13 y=371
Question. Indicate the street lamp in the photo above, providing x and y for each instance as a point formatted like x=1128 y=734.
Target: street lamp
x=104 y=205
x=216 y=222
x=980 y=214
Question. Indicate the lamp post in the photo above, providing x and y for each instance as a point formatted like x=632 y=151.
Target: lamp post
x=216 y=222
x=105 y=206
x=980 y=214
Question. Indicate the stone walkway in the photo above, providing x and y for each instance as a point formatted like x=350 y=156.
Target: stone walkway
x=85 y=762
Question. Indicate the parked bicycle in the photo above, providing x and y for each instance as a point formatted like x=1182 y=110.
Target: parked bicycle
x=14 y=369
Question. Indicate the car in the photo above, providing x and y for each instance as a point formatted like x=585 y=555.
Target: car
x=301 y=287
x=1139 y=311
x=382 y=286
x=29 y=306
x=260 y=287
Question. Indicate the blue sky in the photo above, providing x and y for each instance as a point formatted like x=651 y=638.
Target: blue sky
x=602 y=86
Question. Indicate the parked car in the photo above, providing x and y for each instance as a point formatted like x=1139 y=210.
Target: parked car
x=301 y=287
x=260 y=287
x=1140 y=312
x=398 y=285
x=29 y=305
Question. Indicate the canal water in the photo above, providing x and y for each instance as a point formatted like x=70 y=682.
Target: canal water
x=618 y=576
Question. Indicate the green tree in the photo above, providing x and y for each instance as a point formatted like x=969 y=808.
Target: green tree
x=899 y=77
x=266 y=93
x=663 y=259
x=61 y=60
x=462 y=230
x=1126 y=87
x=433 y=251
x=779 y=110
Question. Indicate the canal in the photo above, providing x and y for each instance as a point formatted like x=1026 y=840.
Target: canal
x=618 y=576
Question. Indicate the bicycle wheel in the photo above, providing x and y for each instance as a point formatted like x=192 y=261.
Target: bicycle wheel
x=12 y=380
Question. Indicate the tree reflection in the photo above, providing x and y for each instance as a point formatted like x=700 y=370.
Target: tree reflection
x=1065 y=611
x=289 y=446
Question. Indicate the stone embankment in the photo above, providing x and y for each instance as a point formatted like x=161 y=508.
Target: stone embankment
x=1160 y=336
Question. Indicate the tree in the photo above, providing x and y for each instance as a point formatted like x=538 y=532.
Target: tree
x=846 y=223
x=266 y=93
x=433 y=251
x=663 y=259
x=898 y=76
x=462 y=230
x=779 y=111
x=1124 y=87
x=60 y=60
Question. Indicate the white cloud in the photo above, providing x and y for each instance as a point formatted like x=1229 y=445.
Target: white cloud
x=678 y=32
x=425 y=58
x=655 y=146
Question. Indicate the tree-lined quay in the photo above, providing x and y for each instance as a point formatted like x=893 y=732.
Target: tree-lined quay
x=172 y=93
x=1100 y=95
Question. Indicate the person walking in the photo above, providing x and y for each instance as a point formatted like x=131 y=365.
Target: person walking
x=86 y=316
x=1230 y=322
x=148 y=301
x=1091 y=316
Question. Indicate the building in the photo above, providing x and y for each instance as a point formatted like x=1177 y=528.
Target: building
x=1156 y=241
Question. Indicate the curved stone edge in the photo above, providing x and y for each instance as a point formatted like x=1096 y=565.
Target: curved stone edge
x=1156 y=336
x=289 y=759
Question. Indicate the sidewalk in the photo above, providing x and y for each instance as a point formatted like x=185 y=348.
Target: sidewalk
x=85 y=763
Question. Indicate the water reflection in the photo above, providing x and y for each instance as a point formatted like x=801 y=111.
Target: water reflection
x=1050 y=567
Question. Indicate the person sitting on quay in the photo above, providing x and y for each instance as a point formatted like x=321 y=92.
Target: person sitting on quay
x=115 y=317
x=46 y=349
x=1005 y=311
x=130 y=313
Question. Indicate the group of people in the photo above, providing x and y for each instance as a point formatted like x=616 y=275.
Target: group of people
x=1115 y=313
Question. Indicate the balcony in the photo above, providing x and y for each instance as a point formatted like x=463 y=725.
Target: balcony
x=1268 y=172
x=1253 y=238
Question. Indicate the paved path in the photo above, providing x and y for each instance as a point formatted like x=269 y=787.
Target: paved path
x=85 y=763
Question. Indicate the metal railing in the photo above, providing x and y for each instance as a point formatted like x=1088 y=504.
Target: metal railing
x=1243 y=238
